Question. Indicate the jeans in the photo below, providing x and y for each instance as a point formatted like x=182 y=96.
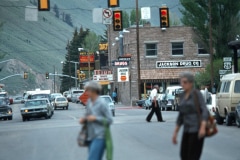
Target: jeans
x=191 y=147
x=96 y=149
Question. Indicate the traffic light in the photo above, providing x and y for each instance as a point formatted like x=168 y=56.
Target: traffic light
x=164 y=17
x=44 y=5
x=117 y=21
x=25 y=75
x=113 y=3
x=47 y=75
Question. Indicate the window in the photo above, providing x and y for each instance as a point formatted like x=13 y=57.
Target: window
x=227 y=87
x=151 y=49
x=177 y=48
x=237 y=87
x=201 y=49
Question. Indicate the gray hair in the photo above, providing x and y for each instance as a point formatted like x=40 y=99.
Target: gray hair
x=188 y=75
x=93 y=86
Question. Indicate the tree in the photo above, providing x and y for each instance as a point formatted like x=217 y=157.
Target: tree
x=133 y=18
x=68 y=19
x=126 y=19
x=2 y=55
x=225 y=22
x=91 y=42
x=174 y=20
x=72 y=55
x=56 y=10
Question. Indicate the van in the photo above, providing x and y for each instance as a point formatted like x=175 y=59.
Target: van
x=227 y=98
x=169 y=98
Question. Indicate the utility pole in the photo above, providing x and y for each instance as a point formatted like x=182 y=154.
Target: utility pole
x=138 y=51
x=210 y=44
x=54 y=79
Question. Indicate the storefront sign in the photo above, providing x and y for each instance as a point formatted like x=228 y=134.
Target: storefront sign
x=124 y=58
x=179 y=64
x=102 y=72
x=123 y=74
x=107 y=77
x=84 y=66
x=85 y=59
x=120 y=63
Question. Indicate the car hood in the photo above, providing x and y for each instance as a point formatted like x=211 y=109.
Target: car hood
x=34 y=107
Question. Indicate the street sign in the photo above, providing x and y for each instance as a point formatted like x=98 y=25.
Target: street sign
x=107 y=16
x=124 y=58
x=123 y=74
x=227 y=65
x=222 y=72
x=103 y=77
x=145 y=13
x=103 y=47
x=227 y=59
x=97 y=15
x=120 y=63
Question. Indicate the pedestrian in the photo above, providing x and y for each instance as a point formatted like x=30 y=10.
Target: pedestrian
x=114 y=96
x=97 y=117
x=155 y=105
x=194 y=126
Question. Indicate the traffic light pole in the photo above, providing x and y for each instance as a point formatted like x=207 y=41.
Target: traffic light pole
x=10 y=76
x=138 y=51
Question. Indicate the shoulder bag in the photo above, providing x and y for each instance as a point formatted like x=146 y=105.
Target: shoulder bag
x=211 y=127
x=82 y=136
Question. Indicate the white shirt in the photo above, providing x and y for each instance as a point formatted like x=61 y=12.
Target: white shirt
x=153 y=94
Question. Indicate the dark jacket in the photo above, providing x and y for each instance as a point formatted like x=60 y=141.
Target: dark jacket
x=188 y=113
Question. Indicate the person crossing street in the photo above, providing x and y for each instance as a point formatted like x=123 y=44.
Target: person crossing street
x=155 y=106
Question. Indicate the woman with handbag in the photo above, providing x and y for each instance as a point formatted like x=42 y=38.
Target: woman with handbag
x=97 y=118
x=194 y=124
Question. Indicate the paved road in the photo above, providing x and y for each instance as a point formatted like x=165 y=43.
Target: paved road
x=134 y=139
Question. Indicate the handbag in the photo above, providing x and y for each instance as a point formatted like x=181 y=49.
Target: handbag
x=108 y=141
x=211 y=126
x=82 y=136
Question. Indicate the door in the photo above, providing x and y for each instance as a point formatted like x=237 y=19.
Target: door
x=223 y=97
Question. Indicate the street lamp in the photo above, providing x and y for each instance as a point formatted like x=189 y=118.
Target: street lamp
x=75 y=70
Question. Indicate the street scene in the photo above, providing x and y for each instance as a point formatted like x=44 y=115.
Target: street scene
x=119 y=79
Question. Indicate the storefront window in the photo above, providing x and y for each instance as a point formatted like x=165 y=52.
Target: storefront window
x=151 y=49
x=177 y=48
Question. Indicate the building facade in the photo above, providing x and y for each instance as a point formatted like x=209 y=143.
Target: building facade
x=164 y=54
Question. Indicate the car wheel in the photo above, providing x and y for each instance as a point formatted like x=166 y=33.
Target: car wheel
x=229 y=119
x=23 y=119
x=10 y=118
x=67 y=108
x=219 y=119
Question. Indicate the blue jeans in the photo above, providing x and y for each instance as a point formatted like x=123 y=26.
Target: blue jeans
x=96 y=149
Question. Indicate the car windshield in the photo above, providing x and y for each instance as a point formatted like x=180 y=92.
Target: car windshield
x=2 y=102
x=60 y=99
x=3 y=95
x=35 y=103
x=107 y=99
x=39 y=96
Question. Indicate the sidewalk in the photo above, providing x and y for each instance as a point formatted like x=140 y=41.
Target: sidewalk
x=122 y=106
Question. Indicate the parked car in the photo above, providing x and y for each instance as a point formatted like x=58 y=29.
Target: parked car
x=110 y=103
x=5 y=110
x=211 y=103
x=168 y=102
x=36 y=108
x=237 y=115
x=75 y=94
x=227 y=98
x=17 y=99
x=140 y=103
x=69 y=97
x=5 y=96
x=60 y=102
x=177 y=94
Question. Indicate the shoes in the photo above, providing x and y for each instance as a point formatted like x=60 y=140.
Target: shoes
x=162 y=121
x=148 y=120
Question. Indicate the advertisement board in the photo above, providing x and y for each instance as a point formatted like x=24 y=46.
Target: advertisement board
x=123 y=74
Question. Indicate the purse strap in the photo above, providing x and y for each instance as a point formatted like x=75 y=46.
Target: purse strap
x=196 y=101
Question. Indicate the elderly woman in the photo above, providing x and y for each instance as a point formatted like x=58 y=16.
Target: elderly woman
x=97 y=113
x=194 y=125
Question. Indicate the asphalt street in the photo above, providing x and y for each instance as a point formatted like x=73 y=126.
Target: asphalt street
x=134 y=138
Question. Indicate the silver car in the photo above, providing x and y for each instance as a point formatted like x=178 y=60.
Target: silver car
x=110 y=103
x=36 y=108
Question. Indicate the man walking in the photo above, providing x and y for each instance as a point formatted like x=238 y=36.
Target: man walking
x=155 y=106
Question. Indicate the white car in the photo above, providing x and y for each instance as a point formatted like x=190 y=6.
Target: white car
x=60 y=102
x=75 y=95
x=110 y=103
x=211 y=104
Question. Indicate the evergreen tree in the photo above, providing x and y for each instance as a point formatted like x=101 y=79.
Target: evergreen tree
x=68 y=19
x=225 y=22
x=133 y=17
x=56 y=10
x=72 y=55
x=126 y=19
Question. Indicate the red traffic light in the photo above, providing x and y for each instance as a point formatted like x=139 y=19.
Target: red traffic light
x=117 y=21
x=164 y=17
x=163 y=12
x=117 y=15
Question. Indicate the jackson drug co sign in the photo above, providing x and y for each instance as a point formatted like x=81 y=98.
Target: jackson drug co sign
x=179 y=64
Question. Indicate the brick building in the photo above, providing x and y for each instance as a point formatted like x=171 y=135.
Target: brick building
x=163 y=55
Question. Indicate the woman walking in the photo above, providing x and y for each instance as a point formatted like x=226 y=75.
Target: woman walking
x=194 y=125
x=97 y=117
